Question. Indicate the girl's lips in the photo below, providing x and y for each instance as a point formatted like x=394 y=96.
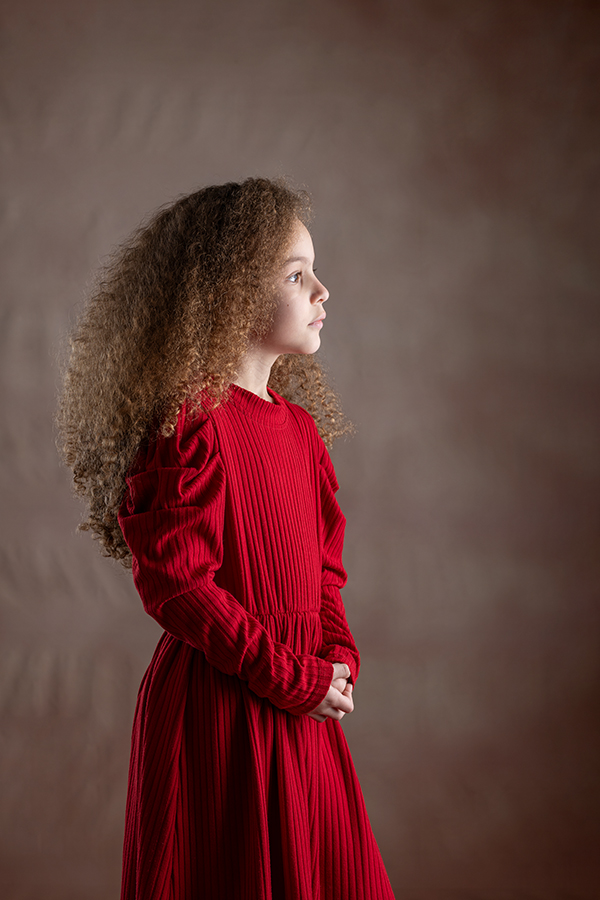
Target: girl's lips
x=317 y=323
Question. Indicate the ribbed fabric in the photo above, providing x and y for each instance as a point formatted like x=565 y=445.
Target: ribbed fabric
x=234 y=793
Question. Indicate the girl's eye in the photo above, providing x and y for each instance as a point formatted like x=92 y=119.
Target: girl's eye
x=295 y=278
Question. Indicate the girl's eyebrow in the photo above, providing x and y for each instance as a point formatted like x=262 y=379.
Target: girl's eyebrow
x=303 y=259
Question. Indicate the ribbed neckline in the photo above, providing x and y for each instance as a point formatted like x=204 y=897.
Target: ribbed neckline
x=273 y=414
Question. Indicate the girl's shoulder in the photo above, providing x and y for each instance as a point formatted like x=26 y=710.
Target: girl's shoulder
x=191 y=445
x=301 y=418
x=307 y=425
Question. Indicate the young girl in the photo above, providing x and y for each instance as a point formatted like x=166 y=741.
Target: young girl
x=194 y=416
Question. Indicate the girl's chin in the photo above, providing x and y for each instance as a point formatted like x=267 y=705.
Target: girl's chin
x=304 y=349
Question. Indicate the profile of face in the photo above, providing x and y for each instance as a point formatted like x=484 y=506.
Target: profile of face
x=300 y=296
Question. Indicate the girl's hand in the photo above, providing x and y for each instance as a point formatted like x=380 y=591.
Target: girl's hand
x=338 y=700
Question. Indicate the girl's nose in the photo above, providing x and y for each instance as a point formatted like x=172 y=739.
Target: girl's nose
x=321 y=294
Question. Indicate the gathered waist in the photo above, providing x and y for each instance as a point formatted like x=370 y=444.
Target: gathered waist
x=286 y=613
x=298 y=629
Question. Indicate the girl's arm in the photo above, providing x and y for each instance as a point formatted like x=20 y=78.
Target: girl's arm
x=172 y=519
x=338 y=643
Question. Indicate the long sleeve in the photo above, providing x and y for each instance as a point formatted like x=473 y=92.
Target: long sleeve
x=172 y=519
x=338 y=643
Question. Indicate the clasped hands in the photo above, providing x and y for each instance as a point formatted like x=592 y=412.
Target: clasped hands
x=338 y=699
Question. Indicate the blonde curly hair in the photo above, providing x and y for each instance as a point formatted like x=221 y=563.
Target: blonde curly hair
x=168 y=322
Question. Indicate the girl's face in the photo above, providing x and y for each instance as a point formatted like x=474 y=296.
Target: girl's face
x=300 y=297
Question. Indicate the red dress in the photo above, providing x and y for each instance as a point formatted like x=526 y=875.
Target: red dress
x=234 y=793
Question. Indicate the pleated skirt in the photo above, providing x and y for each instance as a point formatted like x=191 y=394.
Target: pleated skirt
x=231 y=798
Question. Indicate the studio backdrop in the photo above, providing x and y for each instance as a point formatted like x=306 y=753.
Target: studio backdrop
x=451 y=149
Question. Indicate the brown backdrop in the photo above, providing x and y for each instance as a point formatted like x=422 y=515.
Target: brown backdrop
x=452 y=151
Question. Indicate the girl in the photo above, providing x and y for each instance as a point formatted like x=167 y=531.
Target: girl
x=194 y=417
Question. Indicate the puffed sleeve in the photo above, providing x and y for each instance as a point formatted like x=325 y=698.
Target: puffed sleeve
x=338 y=643
x=172 y=519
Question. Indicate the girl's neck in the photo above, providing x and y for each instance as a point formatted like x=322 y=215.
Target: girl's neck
x=253 y=374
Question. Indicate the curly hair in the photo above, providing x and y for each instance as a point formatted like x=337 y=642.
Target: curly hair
x=167 y=323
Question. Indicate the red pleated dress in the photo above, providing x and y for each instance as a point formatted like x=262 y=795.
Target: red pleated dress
x=234 y=792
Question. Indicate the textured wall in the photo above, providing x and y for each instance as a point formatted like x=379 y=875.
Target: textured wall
x=452 y=150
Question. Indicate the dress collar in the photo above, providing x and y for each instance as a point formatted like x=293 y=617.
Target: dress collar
x=253 y=406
